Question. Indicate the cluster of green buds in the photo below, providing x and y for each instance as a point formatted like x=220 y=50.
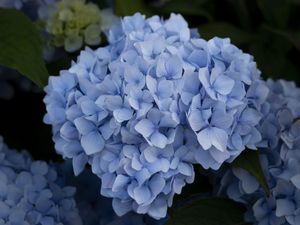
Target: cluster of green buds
x=74 y=23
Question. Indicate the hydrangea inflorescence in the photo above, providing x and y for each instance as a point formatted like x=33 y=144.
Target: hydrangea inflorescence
x=280 y=160
x=71 y=23
x=223 y=92
x=93 y=208
x=30 y=193
x=156 y=100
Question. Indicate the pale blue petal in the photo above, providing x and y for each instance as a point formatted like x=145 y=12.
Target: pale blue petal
x=92 y=143
x=122 y=114
x=145 y=127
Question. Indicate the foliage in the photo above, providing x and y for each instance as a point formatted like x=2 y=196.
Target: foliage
x=210 y=211
x=21 y=46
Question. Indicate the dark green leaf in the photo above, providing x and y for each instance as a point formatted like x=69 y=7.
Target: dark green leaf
x=212 y=211
x=21 y=47
x=249 y=160
x=270 y=48
x=129 y=7
x=191 y=8
x=292 y=37
x=276 y=12
x=223 y=29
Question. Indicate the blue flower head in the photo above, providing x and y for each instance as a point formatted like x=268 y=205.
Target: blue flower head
x=30 y=193
x=280 y=159
x=93 y=208
x=146 y=107
x=224 y=95
x=143 y=178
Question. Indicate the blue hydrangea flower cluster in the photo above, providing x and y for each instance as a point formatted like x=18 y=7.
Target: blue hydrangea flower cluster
x=224 y=94
x=156 y=100
x=93 y=208
x=30 y=194
x=280 y=160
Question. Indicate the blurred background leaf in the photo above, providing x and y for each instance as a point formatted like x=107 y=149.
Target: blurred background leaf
x=223 y=29
x=21 y=46
x=190 y=8
x=129 y=7
x=211 y=211
x=275 y=12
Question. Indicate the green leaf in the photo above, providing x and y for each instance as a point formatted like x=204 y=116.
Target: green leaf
x=21 y=46
x=276 y=12
x=249 y=161
x=223 y=29
x=129 y=7
x=191 y=8
x=212 y=211
x=269 y=48
x=291 y=36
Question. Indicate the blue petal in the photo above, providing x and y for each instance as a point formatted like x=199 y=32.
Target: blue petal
x=122 y=114
x=79 y=163
x=196 y=120
x=213 y=137
x=145 y=127
x=113 y=102
x=84 y=126
x=120 y=182
x=141 y=194
x=165 y=89
x=296 y=180
x=284 y=207
x=121 y=207
x=159 y=140
x=170 y=68
x=198 y=58
x=223 y=85
x=4 y=210
x=157 y=184
x=250 y=116
x=92 y=143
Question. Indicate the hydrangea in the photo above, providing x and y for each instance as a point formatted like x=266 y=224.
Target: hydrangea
x=30 y=193
x=280 y=159
x=143 y=178
x=223 y=94
x=71 y=23
x=146 y=107
x=95 y=209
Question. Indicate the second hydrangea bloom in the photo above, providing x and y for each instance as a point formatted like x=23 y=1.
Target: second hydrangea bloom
x=156 y=100
x=280 y=157
x=30 y=193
